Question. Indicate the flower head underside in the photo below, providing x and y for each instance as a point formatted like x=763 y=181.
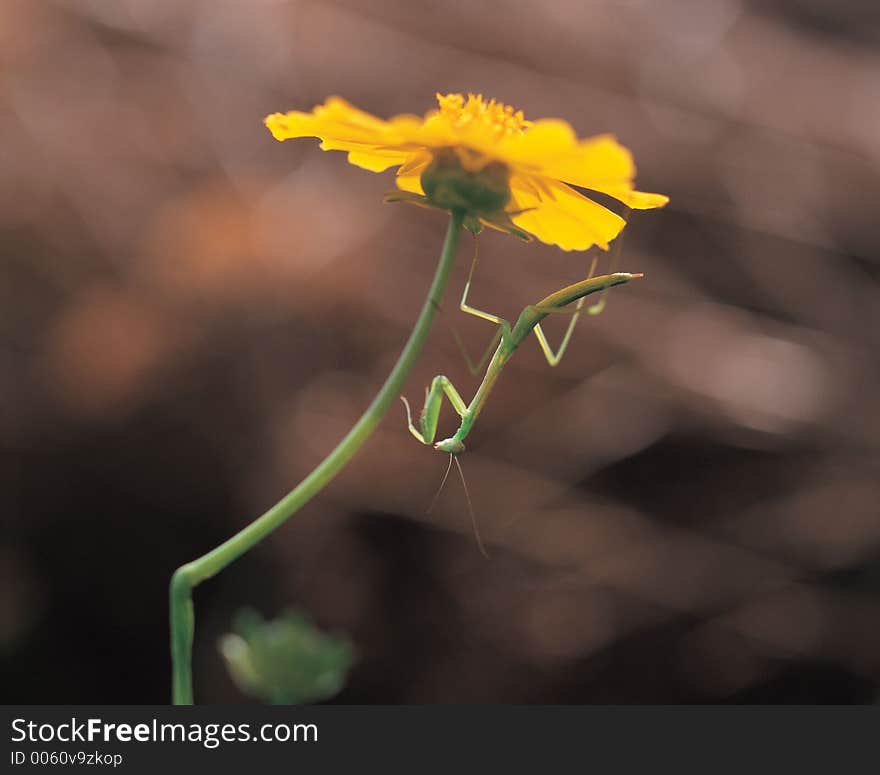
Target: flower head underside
x=485 y=159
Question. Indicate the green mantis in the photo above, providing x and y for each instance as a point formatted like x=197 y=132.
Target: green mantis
x=510 y=337
x=506 y=340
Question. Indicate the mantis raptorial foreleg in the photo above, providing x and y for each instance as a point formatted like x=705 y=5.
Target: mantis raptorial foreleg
x=430 y=415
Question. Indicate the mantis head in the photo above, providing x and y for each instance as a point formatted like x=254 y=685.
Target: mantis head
x=451 y=446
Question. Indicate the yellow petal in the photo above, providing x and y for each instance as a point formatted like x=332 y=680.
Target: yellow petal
x=336 y=119
x=561 y=216
x=411 y=183
x=376 y=160
x=541 y=144
x=550 y=148
x=372 y=143
x=415 y=163
x=409 y=176
x=637 y=200
x=594 y=161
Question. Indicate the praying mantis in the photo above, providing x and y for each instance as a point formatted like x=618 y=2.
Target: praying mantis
x=508 y=339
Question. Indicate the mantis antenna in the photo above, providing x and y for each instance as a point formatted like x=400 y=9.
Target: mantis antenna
x=470 y=506
x=440 y=488
x=467 y=495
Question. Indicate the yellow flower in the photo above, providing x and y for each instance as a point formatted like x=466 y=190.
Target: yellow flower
x=487 y=160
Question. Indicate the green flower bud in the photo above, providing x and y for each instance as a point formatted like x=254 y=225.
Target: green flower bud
x=472 y=187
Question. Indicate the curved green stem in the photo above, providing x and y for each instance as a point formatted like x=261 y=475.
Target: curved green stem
x=193 y=573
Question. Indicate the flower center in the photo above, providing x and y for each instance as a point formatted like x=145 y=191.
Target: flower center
x=501 y=119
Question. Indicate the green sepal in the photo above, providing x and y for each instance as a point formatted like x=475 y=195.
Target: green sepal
x=502 y=222
x=409 y=198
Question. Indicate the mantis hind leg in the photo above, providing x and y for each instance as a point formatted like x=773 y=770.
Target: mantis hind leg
x=553 y=358
x=430 y=415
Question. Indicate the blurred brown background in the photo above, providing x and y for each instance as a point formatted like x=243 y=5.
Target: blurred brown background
x=192 y=314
